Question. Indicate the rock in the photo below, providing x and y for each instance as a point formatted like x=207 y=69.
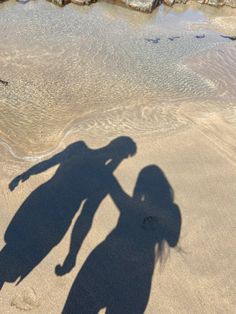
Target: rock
x=142 y=5
x=83 y=2
x=231 y=3
x=169 y=2
x=216 y=3
x=181 y=1
x=149 y=5
x=60 y=3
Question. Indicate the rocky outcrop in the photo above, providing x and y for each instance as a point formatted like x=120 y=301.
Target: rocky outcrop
x=215 y=3
x=231 y=3
x=219 y=3
x=142 y=5
x=149 y=5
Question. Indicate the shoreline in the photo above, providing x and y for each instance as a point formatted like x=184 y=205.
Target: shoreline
x=145 y=6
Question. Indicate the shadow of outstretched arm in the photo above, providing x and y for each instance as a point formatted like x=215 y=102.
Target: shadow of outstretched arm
x=36 y=169
x=120 y=197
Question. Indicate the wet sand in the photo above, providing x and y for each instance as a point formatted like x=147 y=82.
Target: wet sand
x=175 y=99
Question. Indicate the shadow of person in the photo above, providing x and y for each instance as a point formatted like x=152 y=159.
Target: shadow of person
x=44 y=217
x=117 y=275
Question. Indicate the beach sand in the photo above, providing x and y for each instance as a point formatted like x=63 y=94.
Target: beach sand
x=198 y=277
x=192 y=143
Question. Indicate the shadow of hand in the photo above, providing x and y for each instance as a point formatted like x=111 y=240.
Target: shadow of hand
x=68 y=265
x=14 y=183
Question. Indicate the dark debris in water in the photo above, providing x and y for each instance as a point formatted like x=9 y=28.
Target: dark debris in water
x=157 y=39
x=173 y=38
x=229 y=37
x=4 y=82
x=154 y=41
x=200 y=36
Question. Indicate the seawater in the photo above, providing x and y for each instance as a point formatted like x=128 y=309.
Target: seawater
x=103 y=69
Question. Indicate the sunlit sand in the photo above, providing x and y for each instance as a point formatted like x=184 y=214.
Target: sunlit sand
x=78 y=79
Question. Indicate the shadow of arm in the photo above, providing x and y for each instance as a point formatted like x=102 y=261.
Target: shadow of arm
x=120 y=197
x=40 y=167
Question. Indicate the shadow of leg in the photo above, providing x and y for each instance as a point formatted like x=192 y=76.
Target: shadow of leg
x=79 y=233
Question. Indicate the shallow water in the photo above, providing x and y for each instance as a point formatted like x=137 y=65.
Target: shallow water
x=101 y=70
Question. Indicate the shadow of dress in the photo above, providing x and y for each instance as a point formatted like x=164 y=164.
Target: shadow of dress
x=117 y=275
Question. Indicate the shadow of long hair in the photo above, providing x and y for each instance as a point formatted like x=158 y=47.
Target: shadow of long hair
x=153 y=188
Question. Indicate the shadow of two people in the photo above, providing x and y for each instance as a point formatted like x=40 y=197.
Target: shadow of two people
x=125 y=260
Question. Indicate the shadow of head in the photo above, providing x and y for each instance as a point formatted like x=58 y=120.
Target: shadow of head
x=153 y=187
x=122 y=146
x=118 y=149
x=161 y=213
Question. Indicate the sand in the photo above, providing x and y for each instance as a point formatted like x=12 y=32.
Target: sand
x=193 y=144
x=197 y=278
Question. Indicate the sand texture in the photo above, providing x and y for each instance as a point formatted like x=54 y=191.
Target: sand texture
x=117 y=161
x=198 y=274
